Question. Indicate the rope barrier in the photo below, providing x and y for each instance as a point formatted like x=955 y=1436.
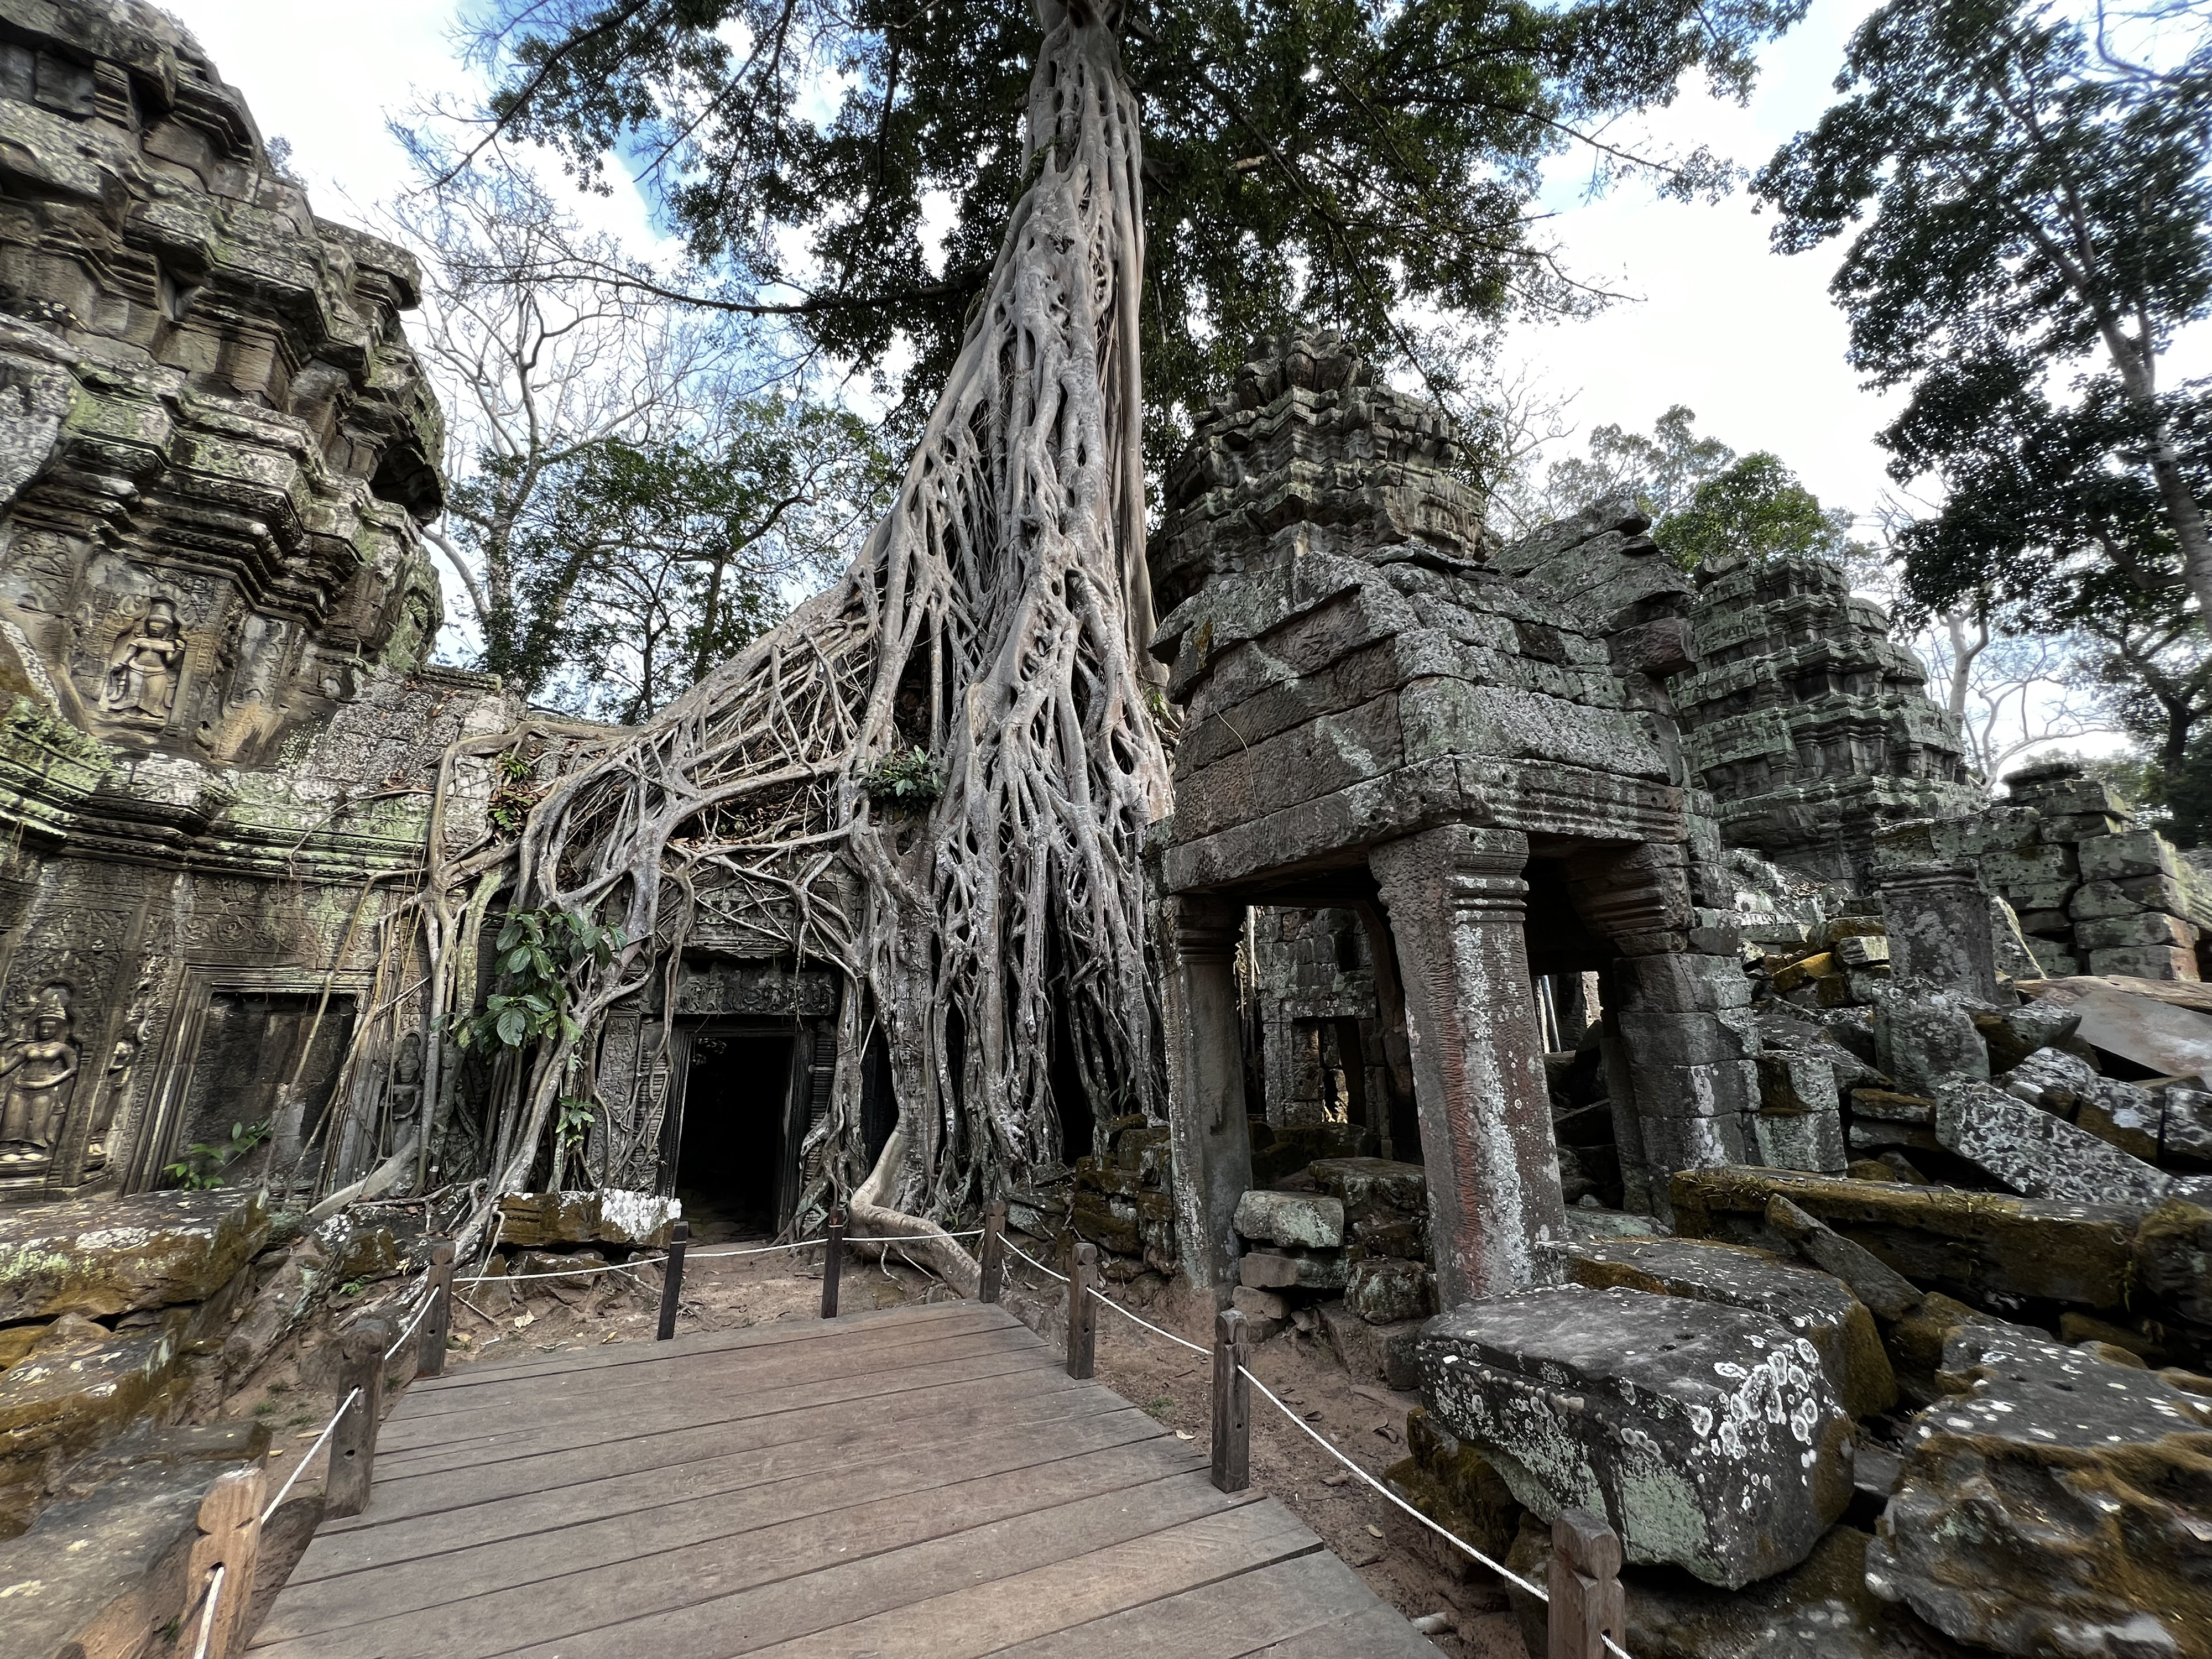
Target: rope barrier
x=1203 y=1353
x=708 y=1255
x=309 y=1456
x=411 y=1327
x=1034 y=1262
x=207 y=1611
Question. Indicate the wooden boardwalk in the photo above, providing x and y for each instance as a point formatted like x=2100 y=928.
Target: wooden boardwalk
x=919 y=1483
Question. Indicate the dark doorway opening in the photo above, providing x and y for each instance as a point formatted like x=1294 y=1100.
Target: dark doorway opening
x=730 y=1159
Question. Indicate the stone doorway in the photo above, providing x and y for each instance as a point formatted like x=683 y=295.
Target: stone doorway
x=737 y=1131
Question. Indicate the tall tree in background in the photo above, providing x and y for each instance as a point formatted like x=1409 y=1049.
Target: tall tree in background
x=2031 y=234
x=1368 y=165
x=1658 y=472
x=628 y=505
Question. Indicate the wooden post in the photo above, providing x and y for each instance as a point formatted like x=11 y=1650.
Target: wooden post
x=1083 y=1313
x=230 y=1538
x=833 y=1261
x=1233 y=1404
x=1587 y=1601
x=671 y=1277
x=353 y=1445
x=993 y=1279
x=439 y=1322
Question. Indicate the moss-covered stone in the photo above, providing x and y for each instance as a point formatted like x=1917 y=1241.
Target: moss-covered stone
x=1970 y=1244
x=532 y=1219
x=80 y=1387
x=107 y=1257
x=2174 y=1258
x=1454 y=1487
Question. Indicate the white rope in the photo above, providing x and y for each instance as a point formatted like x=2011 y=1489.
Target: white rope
x=1203 y=1353
x=207 y=1612
x=1498 y=1568
x=564 y=1272
x=906 y=1238
x=1034 y=1262
x=309 y=1456
x=709 y=1256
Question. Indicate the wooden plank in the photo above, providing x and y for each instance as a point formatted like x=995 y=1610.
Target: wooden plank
x=1092 y=1581
x=770 y=1334
x=1017 y=1371
x=1378 y=1633
x=889 y=1349
x=1247 y=1612
x=774 y=1582
x=710 y=1533
x=833 y=1469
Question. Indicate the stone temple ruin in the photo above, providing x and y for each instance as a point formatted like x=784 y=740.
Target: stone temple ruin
x=1596 y=997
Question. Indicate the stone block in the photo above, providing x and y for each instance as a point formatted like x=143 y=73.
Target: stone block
x=2153 y=929
x=1862 y=952
x=1373 y=1189
x=1362 y=1348
x=79 y=1386
x=1403 y=1236
x=1800 y=1140
x=1925 y=1039
x=1456 y=1488
x=1108 y=1222
x=1803 y=971
x=2187 y=1123
x=610 y=1217
x=1967 y=1244
x=2095 y=901
x=1796 y=1083
x=2174 y=1258
x=1388 y=1291
x=1710 y=1434
x=1810 y=1304
x=1697 y=1039
x=1308 y=1220
x=2054 y=961
x=2136 y=852
x=2013 y=1034
x=2065 y=1086
x=1878 y=1287
x=2143 y=962
x=106 y=1256
x=2038 y=1155
x=2053 y=1505
x=1271 y=1270
x=1678 y=983
x=1261 y=1307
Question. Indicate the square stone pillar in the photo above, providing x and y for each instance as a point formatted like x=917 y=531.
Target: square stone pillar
x=1938 y=919
x=1213 y=1141
x=1456 y=900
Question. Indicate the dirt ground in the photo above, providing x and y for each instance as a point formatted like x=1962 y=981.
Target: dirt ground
x=1364 y=1420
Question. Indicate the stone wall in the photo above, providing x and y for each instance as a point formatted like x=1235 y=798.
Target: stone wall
x=219 y=735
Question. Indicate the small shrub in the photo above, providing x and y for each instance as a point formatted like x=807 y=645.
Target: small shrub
x=909 y=782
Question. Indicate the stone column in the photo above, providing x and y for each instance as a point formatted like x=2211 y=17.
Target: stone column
x=1456 y=903
x=1206 y=1083
x=1938 y=919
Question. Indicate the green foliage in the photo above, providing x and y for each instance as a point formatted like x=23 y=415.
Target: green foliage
x=512 y=797
x=1365 y=165
x=2028 y=234
x=203 y=1163
x=1755 y=509
x=573 y=1117
x=537 y=950
x=1658 y=472
x=908 y=782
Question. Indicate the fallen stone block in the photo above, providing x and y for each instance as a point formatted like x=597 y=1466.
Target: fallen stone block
x=1709 y=1436
x=106 y=1256
x=1376 y=1189
x=1970 y=1245
x=1310 y=1220
x=2130 y=1117
x=2013 y=1034
x=1265 y=1312
x=1454 y=1487
x=1274 y=1270
x=2144 y=928
x=2185 y=1124
x=1862 y=952
x=2170 y=1039
x=1876 y=1286
x=1808 y=1304
x=1388 y=1290
x=609 y=1216
x=1923 y=1039
x=2054 y=1505
x=79 y=1386
x=1800 y=1140
x=1918 y=1341
x=2038 y=1155
x=2174 y=1258
x=1361 y=1347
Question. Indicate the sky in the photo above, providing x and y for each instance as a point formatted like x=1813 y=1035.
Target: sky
x=1746 y=338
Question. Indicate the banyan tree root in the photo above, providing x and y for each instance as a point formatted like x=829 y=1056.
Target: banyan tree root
x=996 y=620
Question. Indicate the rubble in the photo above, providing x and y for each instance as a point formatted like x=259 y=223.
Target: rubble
x=2056 y=1503
x=1709 y=1436
x=105 y=1257
x=2039 y=1154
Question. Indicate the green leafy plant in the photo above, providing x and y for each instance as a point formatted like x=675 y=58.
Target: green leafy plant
x=204 y=1162
x=909 y=782
x=512 y=797
x=572 y=1125
x=529 y=998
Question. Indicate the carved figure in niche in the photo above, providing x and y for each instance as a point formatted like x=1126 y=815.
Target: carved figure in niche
x=40 y=1071
x=119 y=1066
x=144 y=671
x=403 y=1094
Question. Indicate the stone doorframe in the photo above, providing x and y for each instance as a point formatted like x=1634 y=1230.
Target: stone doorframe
x=1679 y=1052
x=152 y=1142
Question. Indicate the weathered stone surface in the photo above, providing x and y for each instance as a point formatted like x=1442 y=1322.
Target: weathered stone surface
x=2065 y=1085
x=2038 y=1154
x=1265 y=1312
x=1875 y=1285
x=1709 y=1436
x=2173 y=1258
x=1275 y=1270
x=78 y=1387
x=1924 y=1040
x=1451 y=1484
x=1364 y=1349
x=2058 y=1505
x=2185 y=1128
x=1807 y=1302
x=1820 y=1609
x=1372 y=1188
x=1968 y=1245
x=1388 y=1291
x=2013 y=1034
x=531 y=1219
x=1308 y=1220
x=108 y=1257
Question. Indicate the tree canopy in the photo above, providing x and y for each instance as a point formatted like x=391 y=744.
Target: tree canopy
x=2029 y=231
x=1371 y=165
x=1754 y=508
